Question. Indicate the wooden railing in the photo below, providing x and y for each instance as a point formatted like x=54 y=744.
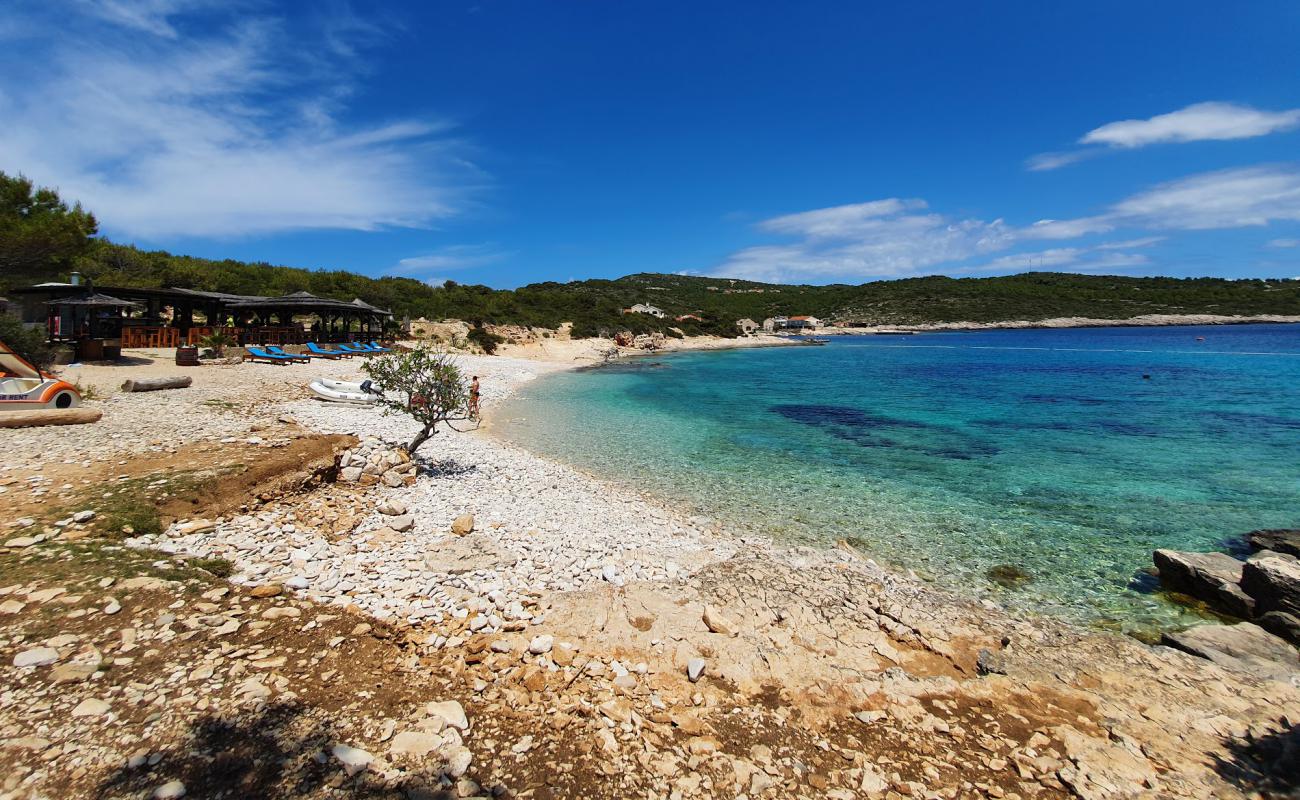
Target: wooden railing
x=150 y=336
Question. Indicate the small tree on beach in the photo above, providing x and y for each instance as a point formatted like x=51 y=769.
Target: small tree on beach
x=424 y=384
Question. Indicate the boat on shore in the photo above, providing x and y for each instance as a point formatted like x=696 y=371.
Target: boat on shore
x=361 y=394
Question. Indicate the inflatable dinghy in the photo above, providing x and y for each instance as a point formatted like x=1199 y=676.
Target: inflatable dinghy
x=25 y=388
x=361 y=394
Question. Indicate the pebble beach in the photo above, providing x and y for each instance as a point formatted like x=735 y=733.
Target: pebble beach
x=526 y=629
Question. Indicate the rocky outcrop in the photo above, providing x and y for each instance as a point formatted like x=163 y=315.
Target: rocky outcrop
x=1274 y=583
x=1243 y=646
x=1214 y=578
x=1278 y=540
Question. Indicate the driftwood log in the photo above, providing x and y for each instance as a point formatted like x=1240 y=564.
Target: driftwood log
x=49 y=416
x=154 y=384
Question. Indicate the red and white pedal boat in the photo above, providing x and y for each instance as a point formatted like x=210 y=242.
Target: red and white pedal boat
x=23 y=387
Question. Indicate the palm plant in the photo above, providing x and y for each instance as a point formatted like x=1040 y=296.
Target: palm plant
x=218 y=342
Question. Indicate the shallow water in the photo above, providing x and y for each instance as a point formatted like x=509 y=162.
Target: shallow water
x=953 y=453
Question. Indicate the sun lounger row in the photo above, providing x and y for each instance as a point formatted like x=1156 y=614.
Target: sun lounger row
x=276 y=355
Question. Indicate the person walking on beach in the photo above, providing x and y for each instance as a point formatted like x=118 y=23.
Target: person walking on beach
x=473 y=397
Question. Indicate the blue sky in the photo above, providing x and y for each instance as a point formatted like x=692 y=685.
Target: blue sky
x=511 y=142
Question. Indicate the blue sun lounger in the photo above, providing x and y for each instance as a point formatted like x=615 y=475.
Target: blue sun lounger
x=316 y=350
x=356 y=350
x=280 y=351
x=379 y=348
x=258 y=354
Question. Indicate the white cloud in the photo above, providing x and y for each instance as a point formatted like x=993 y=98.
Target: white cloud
x=1048 y=161
x=1195 y=123
x=1129 y=244
x=1233 y=198
x=875 y=239
x=1284 y=243
x=235 y=130
x=890 y=238
x=459 y=256
x=839 y=221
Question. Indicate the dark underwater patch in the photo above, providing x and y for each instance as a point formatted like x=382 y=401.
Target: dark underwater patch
x=865 y=429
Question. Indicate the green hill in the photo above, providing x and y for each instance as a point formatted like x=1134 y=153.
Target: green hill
x=594 y=306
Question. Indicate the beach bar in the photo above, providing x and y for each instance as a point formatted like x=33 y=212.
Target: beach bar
x=99 y=321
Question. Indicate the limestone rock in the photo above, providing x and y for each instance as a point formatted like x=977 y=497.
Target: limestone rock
x=36 y=657
x=458 y=761
x=541 y=644
x=353 y=759
x=717 y=622
x=169 y=791
x=1274 y=582
x=694 y=669
x=1279 y=541
x=1281 y=624
x=1243 y=646
x=267 y=590
x=462 y=525
x=402 y=523
x=451 y=712
x=417 y=744
x=1212 y=577
x=392 y=508
x=91 y=707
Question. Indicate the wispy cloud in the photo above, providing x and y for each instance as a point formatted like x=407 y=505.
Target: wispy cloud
x=893 y=238
x=451 y=257
x=1049 y=161
x=1232 y=198
x=1196 y=123
x=1284 y=243
x=197 y=118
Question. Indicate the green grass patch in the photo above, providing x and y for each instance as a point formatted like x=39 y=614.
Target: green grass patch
x=224 y=405
x=131 y=507
x=221 y=567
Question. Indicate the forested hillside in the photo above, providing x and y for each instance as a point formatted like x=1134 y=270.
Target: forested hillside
x=594 y=305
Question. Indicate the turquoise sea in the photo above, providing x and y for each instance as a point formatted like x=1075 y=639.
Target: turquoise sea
x=1070 y=454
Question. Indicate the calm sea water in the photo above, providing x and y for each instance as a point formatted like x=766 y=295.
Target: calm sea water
x=1070 y=454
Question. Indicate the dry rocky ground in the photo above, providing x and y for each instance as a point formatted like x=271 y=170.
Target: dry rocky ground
x=517 y=630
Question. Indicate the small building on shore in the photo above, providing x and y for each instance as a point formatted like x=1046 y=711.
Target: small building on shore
x=802 y=323
x=747 y=326
x=645 y=308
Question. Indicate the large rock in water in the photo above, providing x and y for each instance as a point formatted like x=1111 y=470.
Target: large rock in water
x=1279 y=541
x=1274 y=583
x=1243 y=646
x=1212 y=577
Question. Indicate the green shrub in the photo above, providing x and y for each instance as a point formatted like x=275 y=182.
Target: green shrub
x=484 y=339
x=28 y=343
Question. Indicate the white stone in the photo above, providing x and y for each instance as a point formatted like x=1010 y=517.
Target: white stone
x=353 y=759
x=91 y=707
x=169 y=791
x=694 y=669
x=451 y=712
x=541 y=644
x=36 y=657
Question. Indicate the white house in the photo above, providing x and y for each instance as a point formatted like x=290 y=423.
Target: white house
x=644 y=308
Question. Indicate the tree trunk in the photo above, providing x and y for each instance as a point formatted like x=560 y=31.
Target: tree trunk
x=420 y=438
x=49 y=416
x=154 y=384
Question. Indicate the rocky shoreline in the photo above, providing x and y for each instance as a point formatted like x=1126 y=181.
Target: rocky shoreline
x=596 y=643
x=1143 y=321
x=1261 y=593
